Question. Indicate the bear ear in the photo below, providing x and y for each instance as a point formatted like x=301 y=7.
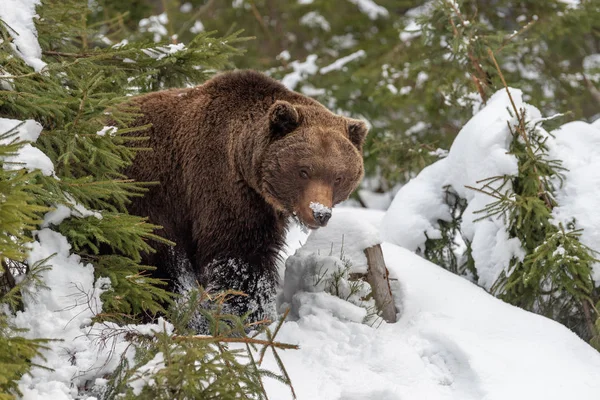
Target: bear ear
x=283 y=118
x=357 y=132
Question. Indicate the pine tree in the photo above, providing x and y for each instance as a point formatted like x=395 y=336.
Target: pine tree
x=80 y=99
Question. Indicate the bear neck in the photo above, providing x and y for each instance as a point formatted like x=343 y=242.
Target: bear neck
x=248 y=153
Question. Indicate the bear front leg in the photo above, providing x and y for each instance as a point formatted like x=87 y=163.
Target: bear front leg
x=256 y=280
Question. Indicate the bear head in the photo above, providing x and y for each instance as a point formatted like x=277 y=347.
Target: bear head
x=313 y=160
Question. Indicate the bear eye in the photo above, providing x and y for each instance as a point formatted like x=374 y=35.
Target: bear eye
x=304 y=174
x=338 y=180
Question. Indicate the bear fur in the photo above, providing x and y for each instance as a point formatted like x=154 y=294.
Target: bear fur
x=236 y=157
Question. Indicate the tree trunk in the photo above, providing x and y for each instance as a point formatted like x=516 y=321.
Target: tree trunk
x=378 y=278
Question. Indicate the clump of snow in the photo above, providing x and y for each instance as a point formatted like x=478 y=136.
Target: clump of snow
x=319 y=208
x=19 y=16
x=577 y=144
x=307 y=277
x=161 y=52
x=317 y=277
x=122 y=43
x=186 y=7
x=411 y=31
x=478 y=152
x=62 y=212
x=155 y=24
x=416 y=128
x=452 y=341
x=108 y=129
x=301 y=71
x=374 y=200
x=370 y=8
x=338 y=64
x=591 y=62
x=344 y=237
x=312 y=91
x=145 y=374
x=571 y=3
x=284 y=55
x=343 y=42
x=63 y=311
x=315 y=20
x=6 y=80
x=413 y=28
x=197 y=28
x=392 y=88
x=27 y=157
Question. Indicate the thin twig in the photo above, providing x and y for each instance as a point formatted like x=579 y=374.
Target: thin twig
x=195 y=17
x=262 y=356
x=63 y=54
x=217 y=339
x=514 y=35
x=258 y=17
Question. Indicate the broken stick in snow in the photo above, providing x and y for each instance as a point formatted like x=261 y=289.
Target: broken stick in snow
x=378 y=278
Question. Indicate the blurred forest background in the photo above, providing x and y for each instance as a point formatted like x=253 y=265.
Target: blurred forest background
x=413 y=69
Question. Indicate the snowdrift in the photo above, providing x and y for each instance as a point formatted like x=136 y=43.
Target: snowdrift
x=453 y=340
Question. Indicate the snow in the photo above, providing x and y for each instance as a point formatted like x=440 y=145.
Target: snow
x=27 y=157
x=145 y=373
x=578 y=145
x=571 y=3
x=392 y=88
x=197 y=28
x=186 y=7
x=351 y=238
x=62 y=212
x=161 y=52
x=452 y=341
x=301 y=71
x=19 y=16
x=370 y=8
x=478 y=152
x=319 y=208
x=413 y=28
x=108 y=129
x=338 y=64
x=64 y=311
x=591 y=62
x=284 y=55
x=377 y=201
x=155 y=24
x=315 y=20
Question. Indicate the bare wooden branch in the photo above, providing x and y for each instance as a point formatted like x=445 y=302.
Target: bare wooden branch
x=378 y=277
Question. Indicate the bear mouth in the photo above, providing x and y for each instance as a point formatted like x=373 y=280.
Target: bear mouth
x=303 y=225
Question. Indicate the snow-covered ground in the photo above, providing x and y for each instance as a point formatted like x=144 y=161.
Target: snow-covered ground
x=452 y=341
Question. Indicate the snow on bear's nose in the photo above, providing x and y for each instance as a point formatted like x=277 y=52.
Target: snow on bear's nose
x=321 y=213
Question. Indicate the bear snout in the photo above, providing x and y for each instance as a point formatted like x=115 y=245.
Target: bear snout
x=315 y=204
x=321 y=213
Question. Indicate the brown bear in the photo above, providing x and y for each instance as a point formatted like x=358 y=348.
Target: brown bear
x=236 y=157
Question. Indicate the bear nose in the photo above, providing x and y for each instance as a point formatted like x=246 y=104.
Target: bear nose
x=322 y=217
